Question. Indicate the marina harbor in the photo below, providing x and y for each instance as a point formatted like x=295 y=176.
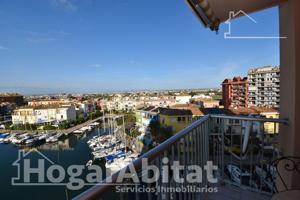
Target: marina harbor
x=150 y=100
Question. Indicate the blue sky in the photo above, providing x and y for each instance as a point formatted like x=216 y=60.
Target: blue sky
x=49 y=46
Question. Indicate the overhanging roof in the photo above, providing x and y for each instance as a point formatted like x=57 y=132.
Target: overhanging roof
x=213 y=12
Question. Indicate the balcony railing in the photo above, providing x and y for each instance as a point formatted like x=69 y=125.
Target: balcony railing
x=241 y=147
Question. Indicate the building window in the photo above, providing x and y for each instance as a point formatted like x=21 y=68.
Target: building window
x=179 y=119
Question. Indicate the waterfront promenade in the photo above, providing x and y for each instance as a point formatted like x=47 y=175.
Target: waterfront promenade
x=65 y=131
x=79 y=126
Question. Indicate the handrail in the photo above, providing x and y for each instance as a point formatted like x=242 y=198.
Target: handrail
x=95 y=192
x=249 y=118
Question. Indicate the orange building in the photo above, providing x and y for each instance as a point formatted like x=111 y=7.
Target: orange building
x=235 y=92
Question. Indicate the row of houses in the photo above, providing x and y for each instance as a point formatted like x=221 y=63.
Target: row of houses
x=44 y=114
x=180 y=116
x=261 y=88
x=51 y=111
x=126 y=104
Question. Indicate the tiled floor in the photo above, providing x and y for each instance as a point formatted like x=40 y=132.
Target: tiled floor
x=228 y=192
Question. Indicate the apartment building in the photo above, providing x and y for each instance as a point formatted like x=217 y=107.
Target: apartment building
x=44 y=114
x=183 y=99
x=235 y=92
x=175 y=118
x=264 y=87
x=144 y=116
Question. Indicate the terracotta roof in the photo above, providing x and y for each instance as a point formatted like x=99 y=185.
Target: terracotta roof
x=264 y=109
x=51 y=106
x=236 y=79
x=174 y=112
x=238 y=111
x=192 y=107
x=248 y=111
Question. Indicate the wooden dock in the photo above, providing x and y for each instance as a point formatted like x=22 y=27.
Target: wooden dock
x=79 y=126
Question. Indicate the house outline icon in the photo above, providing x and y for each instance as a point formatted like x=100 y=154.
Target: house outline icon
x=21 y=155
x=232 y=15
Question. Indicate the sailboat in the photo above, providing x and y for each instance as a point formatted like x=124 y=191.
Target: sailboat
x=89 y=163
x=114 y=164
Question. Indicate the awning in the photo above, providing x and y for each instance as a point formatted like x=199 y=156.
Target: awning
x=213 y=12
x=204 y=12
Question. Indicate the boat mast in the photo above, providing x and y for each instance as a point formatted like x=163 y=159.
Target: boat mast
x=104 y=121
x=124 y=135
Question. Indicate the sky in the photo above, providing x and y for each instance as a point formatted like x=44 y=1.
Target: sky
x=53 y=46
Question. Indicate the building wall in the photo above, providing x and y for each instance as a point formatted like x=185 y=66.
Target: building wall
x=264 y=87
x=23 y=116
x=176 y=122
x=66 y=114
x=143 y=119
x=235 y=92
x=43 y=115
x=183 y=99
x=209 y=104
x=226 y=94
x=289 y=137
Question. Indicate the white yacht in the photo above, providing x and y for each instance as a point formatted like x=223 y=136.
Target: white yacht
x=89 y=163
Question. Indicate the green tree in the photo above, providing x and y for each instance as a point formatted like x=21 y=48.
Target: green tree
x=154 y=128
x=165 y=133
x=49 y=127
x=64 y=125
x=80 y=118
x=98 y=113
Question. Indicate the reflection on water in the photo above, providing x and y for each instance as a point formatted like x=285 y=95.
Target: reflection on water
x=66 y=144
x=69 y=151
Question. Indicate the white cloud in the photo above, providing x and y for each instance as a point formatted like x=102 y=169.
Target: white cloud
x=3 y=48
x=63 y=33
x=64 y=4
x=96 y=65
x=41 y=39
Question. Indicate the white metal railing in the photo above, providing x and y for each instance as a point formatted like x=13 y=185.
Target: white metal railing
x=241 y=147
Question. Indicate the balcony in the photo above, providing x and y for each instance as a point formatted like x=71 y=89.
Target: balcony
x=241 y=151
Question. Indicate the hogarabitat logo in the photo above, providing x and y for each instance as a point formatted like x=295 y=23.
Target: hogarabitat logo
x=36 y=169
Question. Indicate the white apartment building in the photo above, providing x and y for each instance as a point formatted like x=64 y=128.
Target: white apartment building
x=264 y=87
x=44 y=114
x=183 y=99
x=85 y=107
x=201 y=96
